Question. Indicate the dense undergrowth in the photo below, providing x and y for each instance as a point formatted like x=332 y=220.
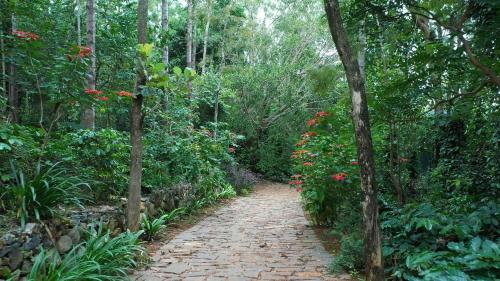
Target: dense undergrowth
x=447 y=228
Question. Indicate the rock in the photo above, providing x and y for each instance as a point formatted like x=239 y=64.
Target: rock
x=32 y=243
x=75 y=235
x=9 y=249
x=27 y=265
x=30 y=228
x=9 y=238
x=64 y=244
x=15 y=258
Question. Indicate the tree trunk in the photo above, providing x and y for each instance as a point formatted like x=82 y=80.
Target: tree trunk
x=189 y=43
x=134 y=196
x=164 y=29
x=189 y=35
x=165 y=55
x=205 y=37
x=194 y=44
x=79 y=22
x=14 y=101
x=87 y=119
x=374 y=269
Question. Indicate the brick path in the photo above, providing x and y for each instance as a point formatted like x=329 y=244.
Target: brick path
x=260 y=237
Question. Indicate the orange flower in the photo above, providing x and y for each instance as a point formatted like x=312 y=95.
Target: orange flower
x=311 y=122
x=322 y=114
x=30 y=36
x=308 y=164
x=339 y=176
x=309 y=134
x=93 y=92
x=301 y=143
x=125 y=94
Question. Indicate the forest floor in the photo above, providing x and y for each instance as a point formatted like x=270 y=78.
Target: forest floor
x=264 y=236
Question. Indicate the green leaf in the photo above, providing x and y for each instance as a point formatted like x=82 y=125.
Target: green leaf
x=146 y=49
x=177 y=70
x=4 y=146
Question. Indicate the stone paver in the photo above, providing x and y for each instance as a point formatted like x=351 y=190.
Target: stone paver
x=260 y=237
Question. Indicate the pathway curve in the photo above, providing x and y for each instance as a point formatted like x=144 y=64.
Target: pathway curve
x=260 y=237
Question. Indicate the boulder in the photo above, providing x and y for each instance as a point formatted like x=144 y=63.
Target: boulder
x=15 y=258
x=64 y=244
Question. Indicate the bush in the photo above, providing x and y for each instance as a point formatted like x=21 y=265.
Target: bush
x=101 y=156
x=101 y=257
x=424 y=242
x=351 y=255
x=326 y=169
x=38 y=197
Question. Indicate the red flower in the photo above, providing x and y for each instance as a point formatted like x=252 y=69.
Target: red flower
x=312 y=155
x=295 y=182
x=294 y=156
x=231 y=150
x=301 y=143
x=299 y=189
x=311 y=122
x=309 y=134
x=103 y=98
x=308 y=164
x=30 y=36
x=354 y=163
x=339 y=176
x=125 y=94
x=84 y=51
x=296 y=176
x=321 y=114
x=93 y=92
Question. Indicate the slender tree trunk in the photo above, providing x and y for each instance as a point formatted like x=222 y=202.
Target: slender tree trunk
x=87 y=118
x=189 y=43
x=374 y=269
x=164 y=29
x=3 y=32
x=205 y=37
x=165 y=55
x=189 y=35
x=195 y=43
x=79 y=22
x=14 y=100
x=134 y=196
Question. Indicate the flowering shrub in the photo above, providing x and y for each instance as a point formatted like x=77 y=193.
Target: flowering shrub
x=326 y=168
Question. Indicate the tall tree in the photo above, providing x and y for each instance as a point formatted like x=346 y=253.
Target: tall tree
x=189 y=35
x=205 y=36
x=165 y=53
x=87 y=118
x=189 y=43
x=374 y=269
x=134 y=196
x=164 y=29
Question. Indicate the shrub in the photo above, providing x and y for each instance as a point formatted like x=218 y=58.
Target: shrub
x=101 y=156
x=153 y=227
x=326 y=168
x=424 y=242
x=351 y=255
x=38 y=197
x=99 y=258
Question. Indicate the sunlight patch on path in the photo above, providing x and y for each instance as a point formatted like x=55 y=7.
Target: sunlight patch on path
x=260 y=237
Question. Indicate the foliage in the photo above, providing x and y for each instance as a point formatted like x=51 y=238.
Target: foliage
x=153 y=227
x=100 y=257
x=326 y=167
x=101 y=156
x=40 y=196
x=424 y=242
